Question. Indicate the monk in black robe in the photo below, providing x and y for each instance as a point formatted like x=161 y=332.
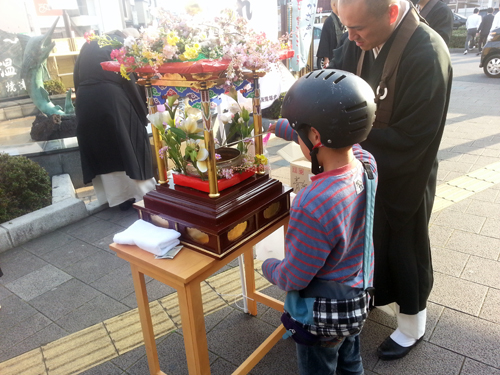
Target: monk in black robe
x=111 y=118
x=331 y=34
x=439 y=16
x=406 y=155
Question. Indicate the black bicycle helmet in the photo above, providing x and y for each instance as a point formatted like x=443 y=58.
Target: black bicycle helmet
x=338 y=104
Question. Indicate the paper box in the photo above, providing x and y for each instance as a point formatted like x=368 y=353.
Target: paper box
x=300 y=174
x=300 y=167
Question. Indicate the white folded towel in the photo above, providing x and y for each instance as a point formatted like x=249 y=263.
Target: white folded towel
x=148 y=237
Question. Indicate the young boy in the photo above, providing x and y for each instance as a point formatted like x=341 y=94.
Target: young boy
x=330 y=111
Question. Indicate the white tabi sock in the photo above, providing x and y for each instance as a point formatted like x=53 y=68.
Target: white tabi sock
x=410 y=328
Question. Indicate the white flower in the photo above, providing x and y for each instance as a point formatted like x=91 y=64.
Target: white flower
x=225 y=118
x=201 y=158
x=129 y=42
x=190 y=125
x=234 y=108
x=240 y=120
x=159 y=118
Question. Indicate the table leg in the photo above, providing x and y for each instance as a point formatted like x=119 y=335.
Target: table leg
x=193 y=328
x=250 y=281
x=146 y=322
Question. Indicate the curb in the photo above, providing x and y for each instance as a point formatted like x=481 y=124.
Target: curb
x=65 y=209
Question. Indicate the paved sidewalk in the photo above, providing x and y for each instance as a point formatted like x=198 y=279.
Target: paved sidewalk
x=68 y=304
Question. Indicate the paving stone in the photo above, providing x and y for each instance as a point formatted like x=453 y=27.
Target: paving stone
x=460 y=221
x=94 y=266
x=94 y=311
x=48 y=243
x=482 y=271
x=472 y=367
x=95 y=231
x=491 y=228
x=69 y=254
x=474 y=244
x=117 y=283
x=460 y=206
x=63 y=299
x=126 y=360
x=487 y=195
x=448 y=262
x=38 y=282
x=14 y=311
x=469 y=336
x=222 y=367
x=155 y=290
x=4 y=292
x=490 y=306
x=456 y=166
x=237 y=336
x=281 y=359
x=457 y=293
x=424 y=359
x=46 y=335
x=14 y=334
x=80 y=224
x=372 y=335
x=17 y=263
x=486 y=209
x=107 y=368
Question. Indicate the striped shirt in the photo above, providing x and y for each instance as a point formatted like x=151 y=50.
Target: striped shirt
x=325 y=236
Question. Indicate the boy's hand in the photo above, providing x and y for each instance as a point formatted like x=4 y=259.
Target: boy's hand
x=271 y=128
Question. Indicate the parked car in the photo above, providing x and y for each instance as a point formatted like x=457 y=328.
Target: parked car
x=490 y=57
x=318 y=61
x=458 y=20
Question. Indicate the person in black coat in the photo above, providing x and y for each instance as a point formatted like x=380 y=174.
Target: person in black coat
x=439 y=16
x=111 y=129
x=330 y=36
x=484 y=29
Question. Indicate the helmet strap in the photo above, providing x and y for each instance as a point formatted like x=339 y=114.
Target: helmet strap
x=315 y=167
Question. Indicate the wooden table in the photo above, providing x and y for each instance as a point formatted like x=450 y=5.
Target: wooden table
x=185 y=273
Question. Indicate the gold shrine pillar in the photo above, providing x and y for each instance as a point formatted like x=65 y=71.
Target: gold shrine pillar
x=257 y=119
x=162 y=163
x=209 y=141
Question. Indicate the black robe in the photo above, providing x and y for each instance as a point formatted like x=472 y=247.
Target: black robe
x=111 y=119
x=328 y=39
x=440 y=19
x=406 y=155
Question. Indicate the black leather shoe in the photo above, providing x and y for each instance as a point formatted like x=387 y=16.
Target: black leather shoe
x=127 y=204
x=390 y=350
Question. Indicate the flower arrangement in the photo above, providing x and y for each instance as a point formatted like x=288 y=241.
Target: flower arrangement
x=175 y=129
x=238 y=119
x=185 y=37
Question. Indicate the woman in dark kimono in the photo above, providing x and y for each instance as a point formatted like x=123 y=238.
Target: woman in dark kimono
x=111 y=129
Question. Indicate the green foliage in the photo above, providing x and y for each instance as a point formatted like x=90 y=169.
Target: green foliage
x=24 y=187
x=54 y=87
x=274 y=111
x=458 y=37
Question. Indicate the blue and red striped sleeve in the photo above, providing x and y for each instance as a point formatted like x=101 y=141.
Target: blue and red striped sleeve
x=285 y=131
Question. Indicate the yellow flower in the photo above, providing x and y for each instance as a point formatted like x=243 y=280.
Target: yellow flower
x=123 y=72
x=147 y=54
x=172 y=38
x=260 y=159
